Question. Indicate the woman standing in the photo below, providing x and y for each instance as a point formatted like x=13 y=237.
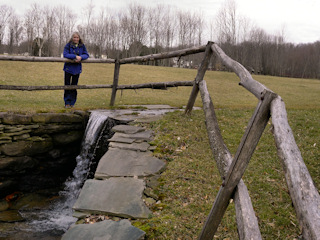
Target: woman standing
x=76 y=51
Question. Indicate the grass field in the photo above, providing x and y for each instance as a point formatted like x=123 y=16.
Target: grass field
x=191 y=181
x=297 y=93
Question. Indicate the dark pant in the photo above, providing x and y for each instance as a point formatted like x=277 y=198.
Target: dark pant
x=70 y=96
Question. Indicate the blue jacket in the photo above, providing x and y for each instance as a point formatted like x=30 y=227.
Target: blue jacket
x=71 y=51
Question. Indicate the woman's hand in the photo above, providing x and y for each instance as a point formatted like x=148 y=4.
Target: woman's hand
x=78 y=59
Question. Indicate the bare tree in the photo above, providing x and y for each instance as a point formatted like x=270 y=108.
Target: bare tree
x=88 y=13
x=35 y=25
x=183 y=29
x=29 y=27
x=50 y=30
x=5 y=14
x=15 y=32
x=98 y=33
x=226 y=23
x=137 y=28
x=116 y=37
x=170 y=22
x=200 y=25
x=65 y=25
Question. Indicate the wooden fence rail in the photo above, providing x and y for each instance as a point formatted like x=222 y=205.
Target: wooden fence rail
x=51 y=59
x=117 y=62
x=155 y=85
x=303 y=192
x=153 y=57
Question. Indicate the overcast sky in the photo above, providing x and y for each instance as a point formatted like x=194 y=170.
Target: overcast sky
x=300 y=19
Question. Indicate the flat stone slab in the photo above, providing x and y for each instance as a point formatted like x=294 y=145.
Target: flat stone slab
x=143 y=147
x=116 y=138
x=129 y=129
x=105 y=230
x=127 y=163
x=145 y=135
x=115 y=196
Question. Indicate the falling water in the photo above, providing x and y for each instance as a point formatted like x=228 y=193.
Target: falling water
x=59 y=218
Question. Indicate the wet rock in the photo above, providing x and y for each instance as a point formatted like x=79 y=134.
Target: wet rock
x=4 y=205
x=128 y=129
x=15 y=165
x=108 y=230
x=66 y=138
x=116 y=196
x=28 y=148
x=11 y=216
x=7 y=187
x=30 y=201
x=21 y=137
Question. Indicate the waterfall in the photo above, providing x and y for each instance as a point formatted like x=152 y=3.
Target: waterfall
x=59 y=218
x=73 y=185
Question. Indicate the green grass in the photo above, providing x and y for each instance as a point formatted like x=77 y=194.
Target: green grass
x=191 y=181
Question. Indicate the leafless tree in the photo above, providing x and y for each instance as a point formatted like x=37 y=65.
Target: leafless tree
x=5 y=14
x=98 y=33
x=88 y=13
x=183 y=28
x=15 y=32
x=137 y=28
x=226 y=23
x=65 y=25
x=170 y=23
x=50 y=30
x=35 y=25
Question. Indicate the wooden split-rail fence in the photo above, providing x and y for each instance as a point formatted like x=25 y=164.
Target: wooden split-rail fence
x=304 y=194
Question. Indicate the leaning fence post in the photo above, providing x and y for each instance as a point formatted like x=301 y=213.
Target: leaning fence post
x=201 y=71
x=239 y=164
x=115 y=81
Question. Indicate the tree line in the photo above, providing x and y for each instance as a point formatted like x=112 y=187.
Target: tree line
x=138 y=30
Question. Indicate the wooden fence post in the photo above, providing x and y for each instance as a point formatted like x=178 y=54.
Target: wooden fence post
x=201 y=71
x=115 y=81
x=247 y=222
x=240 y=162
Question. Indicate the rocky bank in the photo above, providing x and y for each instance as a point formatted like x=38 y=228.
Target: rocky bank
x=38 y=151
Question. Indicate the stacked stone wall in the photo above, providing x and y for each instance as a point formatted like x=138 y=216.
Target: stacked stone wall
x=38 y=151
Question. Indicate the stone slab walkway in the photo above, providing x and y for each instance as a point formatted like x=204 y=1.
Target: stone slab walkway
x=105 y=230
x=128 y=163
x=118 y=187
x=120 y=197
